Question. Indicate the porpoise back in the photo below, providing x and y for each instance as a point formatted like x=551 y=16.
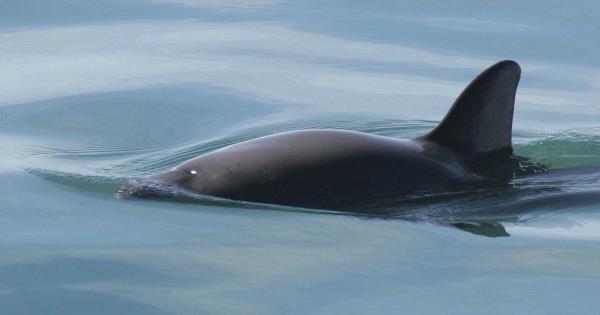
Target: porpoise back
x=336 y=169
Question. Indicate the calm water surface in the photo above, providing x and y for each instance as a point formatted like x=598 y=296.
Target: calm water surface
x=92 y=92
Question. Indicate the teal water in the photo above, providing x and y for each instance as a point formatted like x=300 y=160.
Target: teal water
x=93 y=92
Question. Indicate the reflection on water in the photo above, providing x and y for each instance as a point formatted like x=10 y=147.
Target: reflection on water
x=92 y=92
x=40 y=287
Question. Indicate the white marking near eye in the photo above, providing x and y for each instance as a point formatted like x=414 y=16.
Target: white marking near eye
x=193 y=172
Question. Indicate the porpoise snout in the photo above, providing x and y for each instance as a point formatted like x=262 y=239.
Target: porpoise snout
x=140 y=187
x=164 y=184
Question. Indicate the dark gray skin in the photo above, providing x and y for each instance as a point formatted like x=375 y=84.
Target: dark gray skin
x=333 y=169
x=318 y=168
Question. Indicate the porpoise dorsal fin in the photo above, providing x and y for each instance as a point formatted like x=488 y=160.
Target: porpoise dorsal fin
x=480 y=120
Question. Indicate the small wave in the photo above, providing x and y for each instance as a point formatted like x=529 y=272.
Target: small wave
x=94 y=183
x=92 y=150
x=570 y=149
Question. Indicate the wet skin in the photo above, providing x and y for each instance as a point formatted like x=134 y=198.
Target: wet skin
x=335 y=169
x=332 y=167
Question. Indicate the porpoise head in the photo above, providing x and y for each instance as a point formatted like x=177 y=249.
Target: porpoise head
x=168 y=184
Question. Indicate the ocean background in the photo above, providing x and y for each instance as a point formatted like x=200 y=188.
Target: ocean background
x=93 y=92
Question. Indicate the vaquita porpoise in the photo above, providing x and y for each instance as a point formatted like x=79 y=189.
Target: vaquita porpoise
x=333 y=169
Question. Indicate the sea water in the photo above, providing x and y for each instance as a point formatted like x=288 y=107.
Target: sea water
x=94 y=92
